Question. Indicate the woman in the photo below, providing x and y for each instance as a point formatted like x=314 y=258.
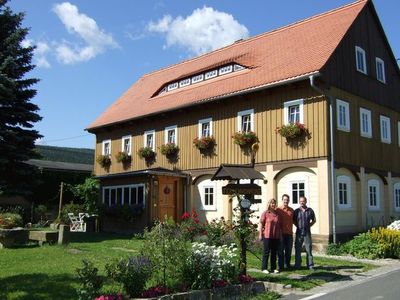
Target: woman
x=270 y=234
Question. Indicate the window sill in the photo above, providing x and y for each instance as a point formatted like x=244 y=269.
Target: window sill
x=366 y=135
x=374 y=209
x=344 y=129
x=209 y=209
x=386 y=142
x=345 y=208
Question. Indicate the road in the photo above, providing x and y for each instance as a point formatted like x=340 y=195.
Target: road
x=385 y=286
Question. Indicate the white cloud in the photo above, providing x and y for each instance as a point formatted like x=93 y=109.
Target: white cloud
x=204 y=30
x=40 y=52
x=96 y=40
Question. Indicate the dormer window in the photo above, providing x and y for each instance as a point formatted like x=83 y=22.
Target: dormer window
x=197 y=78
x=211 y=74
x=172 y=86
x=225 y=70
x=237 y=67
x=184 y=82
x=361 y=63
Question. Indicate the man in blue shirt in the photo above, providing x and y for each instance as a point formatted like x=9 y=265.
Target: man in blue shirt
x=303 y=219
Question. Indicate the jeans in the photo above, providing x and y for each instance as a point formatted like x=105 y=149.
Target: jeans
x=306 y=239
x=271 y=246
x=285 y=251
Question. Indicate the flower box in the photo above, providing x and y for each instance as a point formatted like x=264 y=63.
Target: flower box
x=245 y=138
x=146 y=153
x=104 y=160
x=169 y=149
x=123 y=157
x=292 y=130
x=204 y=143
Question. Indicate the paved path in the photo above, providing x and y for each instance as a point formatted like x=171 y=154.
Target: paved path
x=380 y=283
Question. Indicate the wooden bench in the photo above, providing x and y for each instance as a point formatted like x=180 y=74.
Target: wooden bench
x=50 y=237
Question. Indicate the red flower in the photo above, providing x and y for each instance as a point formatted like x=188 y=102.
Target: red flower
x=185 y=215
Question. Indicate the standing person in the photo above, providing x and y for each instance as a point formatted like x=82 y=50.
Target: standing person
x=303 y=219
x=285 y=213
x=270 y=234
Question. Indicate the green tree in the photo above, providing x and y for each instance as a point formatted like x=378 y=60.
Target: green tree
x=17 y=113
x=88 y=192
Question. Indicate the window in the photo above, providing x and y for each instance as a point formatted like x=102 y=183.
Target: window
x=246 y=120
x=297 y=191
x=380 y=70
x=208 y=196
x=133 y=194
x=211 y=74
x=343 y=115
x=126 y=144
x=225 y=70
x=396 y=196
x=205 y=127
x=237 y=67
x=149 y=139
x=293 y=111
x=361 y=63
x=172 y=86
x=184 y=82
x=106 y=147
x=171 y=133
x=365 y=123
x=385 y=130
x=198 y=78
x=344 y=191
x=373 y=194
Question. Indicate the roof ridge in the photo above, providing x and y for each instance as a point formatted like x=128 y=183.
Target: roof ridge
x=258 y=36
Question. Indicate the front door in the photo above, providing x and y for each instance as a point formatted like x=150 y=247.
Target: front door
x=168 y=191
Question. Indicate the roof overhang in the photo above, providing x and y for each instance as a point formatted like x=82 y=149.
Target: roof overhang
x=146 y=172
x=60 y=166
x=237 y=172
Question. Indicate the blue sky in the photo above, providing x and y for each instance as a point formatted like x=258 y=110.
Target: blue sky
x=90 y=52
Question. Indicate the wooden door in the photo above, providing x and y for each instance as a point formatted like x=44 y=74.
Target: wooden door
x=168 y=188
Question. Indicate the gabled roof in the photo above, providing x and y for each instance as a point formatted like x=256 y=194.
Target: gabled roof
x=236 y=172
x=293 y=51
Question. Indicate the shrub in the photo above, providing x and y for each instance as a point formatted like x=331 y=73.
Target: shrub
x=395 y=225
x=10 y=220
x=70 y=208
x=132 y=273
x=218 y=231
x=336 y=249
x=245 y=138
x=87 y=192
x=191 y=226
x=388 y=240
x=169 y=149
x=146 y=153
x=362 y=246
x=204 y=143
x=292 y=130
x=40 y=212
x=123 y=157
x=110 y=297
x=104 y=160
x=155 y=292
x=90 y=281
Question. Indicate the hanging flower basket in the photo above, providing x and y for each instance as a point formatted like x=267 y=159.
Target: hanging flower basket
x=245 y=138
x=146 y=153
x=104 y=160
x=123 y=157
x=292 y=130
x=169 y=150
x=204 y=143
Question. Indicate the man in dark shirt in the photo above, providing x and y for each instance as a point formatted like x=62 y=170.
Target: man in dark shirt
x=303 y=219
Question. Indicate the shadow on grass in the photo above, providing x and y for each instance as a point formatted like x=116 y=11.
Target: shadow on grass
x=95 y=237
x=37 y=286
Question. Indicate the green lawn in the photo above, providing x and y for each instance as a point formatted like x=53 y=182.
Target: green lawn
x=48 y=272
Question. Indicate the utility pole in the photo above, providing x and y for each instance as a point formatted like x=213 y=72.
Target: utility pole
x=61 y=199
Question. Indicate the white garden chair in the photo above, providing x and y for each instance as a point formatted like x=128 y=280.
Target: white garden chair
x=77 y=222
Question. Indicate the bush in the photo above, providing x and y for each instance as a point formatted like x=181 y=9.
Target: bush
x=388 y=240
x=10 y=220
x=88 y=193
x=362 y=246
x=218 y=232
x=70 y=208
x=336 y=249
x=90 y=281
x=191 y=226
x=40 y=212
x=132 y=273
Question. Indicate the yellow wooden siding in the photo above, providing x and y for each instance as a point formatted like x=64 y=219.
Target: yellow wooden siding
x=268 y=115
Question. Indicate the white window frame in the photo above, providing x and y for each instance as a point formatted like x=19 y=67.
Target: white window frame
x=203 y=197
x=396 y=187
x=362 y=51
x=238 y=67
x=198 y=78
x=377 y=62
x=291 y=191
x=103 y=144
x=184 y=82
x=153 y=133
x=388 y=138
x=124 y=138
x=287 y=104
x=175 y=128
x=368 y=133
x=211 y=74
x=374 y=183
x=200 y=129
x=172 y=86
x=344 y=179
x=243 y=113
x=225 y=70
x=346 y=105
x=130 y=186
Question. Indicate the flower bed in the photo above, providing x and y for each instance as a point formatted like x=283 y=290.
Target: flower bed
x=395 y=225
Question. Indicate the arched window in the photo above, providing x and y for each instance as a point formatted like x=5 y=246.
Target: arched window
x=343 y=190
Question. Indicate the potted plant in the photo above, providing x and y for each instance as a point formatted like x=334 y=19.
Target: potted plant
x=245 y=138
x=169 y=150
x=123 y=157
x=204 y=143
x=292 y=130
x=104 y=160
x=146 y=153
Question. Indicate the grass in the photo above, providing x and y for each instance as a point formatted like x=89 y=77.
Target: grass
x=49 y=272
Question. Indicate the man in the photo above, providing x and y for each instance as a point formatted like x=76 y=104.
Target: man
x=303 y=219
x=285 y=213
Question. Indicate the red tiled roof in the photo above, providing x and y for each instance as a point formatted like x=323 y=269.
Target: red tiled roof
x=288 y=52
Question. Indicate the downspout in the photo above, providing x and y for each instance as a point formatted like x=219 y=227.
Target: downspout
x=332 y=150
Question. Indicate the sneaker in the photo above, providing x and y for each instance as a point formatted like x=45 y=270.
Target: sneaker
x=276 y=271
x=265 y=271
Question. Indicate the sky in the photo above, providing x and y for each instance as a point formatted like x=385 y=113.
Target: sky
x=88 y=53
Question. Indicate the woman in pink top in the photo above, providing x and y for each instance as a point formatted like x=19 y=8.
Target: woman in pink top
x=270 y=234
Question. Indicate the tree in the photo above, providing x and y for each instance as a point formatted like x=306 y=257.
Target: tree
x=17 y=113
x=88 y=192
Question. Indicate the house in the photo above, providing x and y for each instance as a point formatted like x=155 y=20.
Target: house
x=334 y=72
